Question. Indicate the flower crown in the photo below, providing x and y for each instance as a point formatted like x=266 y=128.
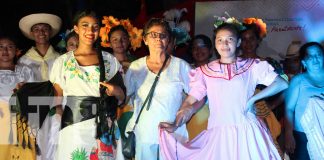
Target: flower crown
x=134 y=33
x=180 y=30
x=259 y=23
x=230 y=20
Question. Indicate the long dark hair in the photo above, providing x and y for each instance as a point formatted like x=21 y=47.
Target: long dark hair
x=108 y=104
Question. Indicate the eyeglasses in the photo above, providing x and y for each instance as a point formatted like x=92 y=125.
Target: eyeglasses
x=157 y=35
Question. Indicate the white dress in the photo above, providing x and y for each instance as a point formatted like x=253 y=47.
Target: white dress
x=8 y=81
x=167 y=99
x=78 y=139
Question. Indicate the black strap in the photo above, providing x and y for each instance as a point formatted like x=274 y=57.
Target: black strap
x=151 y=92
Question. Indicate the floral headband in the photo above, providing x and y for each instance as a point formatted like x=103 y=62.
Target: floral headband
x=230 y=20
x=62 y=43
x=259 y=23
x=134 y=33
x=180 y=30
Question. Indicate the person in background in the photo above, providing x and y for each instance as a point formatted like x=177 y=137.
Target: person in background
x=302 y=87
x=89 y=129
x=201 y=51
x=168 y=94
x=234 y=132
x=72 y=41
x=120 y=43
x=11 y=75
x=291 y=63
x=252 y=36
x=40 y=27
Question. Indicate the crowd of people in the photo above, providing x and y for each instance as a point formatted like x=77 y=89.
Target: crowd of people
x=229 y=105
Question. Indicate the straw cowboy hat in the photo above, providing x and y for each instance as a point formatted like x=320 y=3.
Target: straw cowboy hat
x=28 y=21
x=293 y=49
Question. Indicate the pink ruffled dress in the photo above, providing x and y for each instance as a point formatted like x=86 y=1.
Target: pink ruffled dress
x=231 y=134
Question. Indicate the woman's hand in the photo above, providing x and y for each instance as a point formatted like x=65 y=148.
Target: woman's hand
x=110 y=89
x=183 y=115
x=113 y=90
x=289 y=142
x=250 y=106
x=18 y=86
x=59 y=110
x=168 y=126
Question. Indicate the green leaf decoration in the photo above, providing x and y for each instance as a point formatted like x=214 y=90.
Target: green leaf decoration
x=52 y=111
x=79 y=154
x=80 y=76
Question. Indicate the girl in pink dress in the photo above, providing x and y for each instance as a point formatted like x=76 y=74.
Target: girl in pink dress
x=233 y=132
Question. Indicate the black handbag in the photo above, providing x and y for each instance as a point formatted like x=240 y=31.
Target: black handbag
x=130 y=142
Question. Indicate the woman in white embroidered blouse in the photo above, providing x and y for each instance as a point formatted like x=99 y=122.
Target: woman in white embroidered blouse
x=87 y=129
x=10 y=75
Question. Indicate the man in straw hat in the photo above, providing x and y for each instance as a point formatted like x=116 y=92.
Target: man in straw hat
x=292 y=64
x=40 y=27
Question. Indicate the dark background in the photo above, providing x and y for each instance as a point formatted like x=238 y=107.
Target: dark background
x=11 y=11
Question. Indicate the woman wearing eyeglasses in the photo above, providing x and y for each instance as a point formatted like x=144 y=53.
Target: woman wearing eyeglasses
x=168 y=93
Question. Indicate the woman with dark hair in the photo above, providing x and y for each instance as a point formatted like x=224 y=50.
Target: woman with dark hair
x=120 y=43
x=168 y=93
x=72 y=41
x=89 y=117
x=201 y=52
x=233 y=132
x=252 y=35
x=302 y=87
x=11 y=74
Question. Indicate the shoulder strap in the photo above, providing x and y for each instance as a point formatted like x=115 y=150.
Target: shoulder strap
x=151 y=92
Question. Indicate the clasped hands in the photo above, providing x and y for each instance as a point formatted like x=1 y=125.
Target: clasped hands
x=183 y=115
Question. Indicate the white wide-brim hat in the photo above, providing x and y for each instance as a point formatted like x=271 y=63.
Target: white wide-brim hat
x=293 y=49
x=27 y=22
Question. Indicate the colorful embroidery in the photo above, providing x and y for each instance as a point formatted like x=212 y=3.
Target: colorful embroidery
x=106 y=152
x=77 y=72
x=79 y=154
x=216 y=69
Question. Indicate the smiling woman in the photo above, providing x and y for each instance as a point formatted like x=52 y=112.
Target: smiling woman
x=231 y=124
x=89 y=128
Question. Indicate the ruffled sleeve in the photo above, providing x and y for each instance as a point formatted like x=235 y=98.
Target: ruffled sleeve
x=197 y=84
x=264 y=73
x=57 y=72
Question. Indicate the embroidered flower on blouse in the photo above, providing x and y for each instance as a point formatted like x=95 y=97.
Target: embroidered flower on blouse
x=75 y=72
